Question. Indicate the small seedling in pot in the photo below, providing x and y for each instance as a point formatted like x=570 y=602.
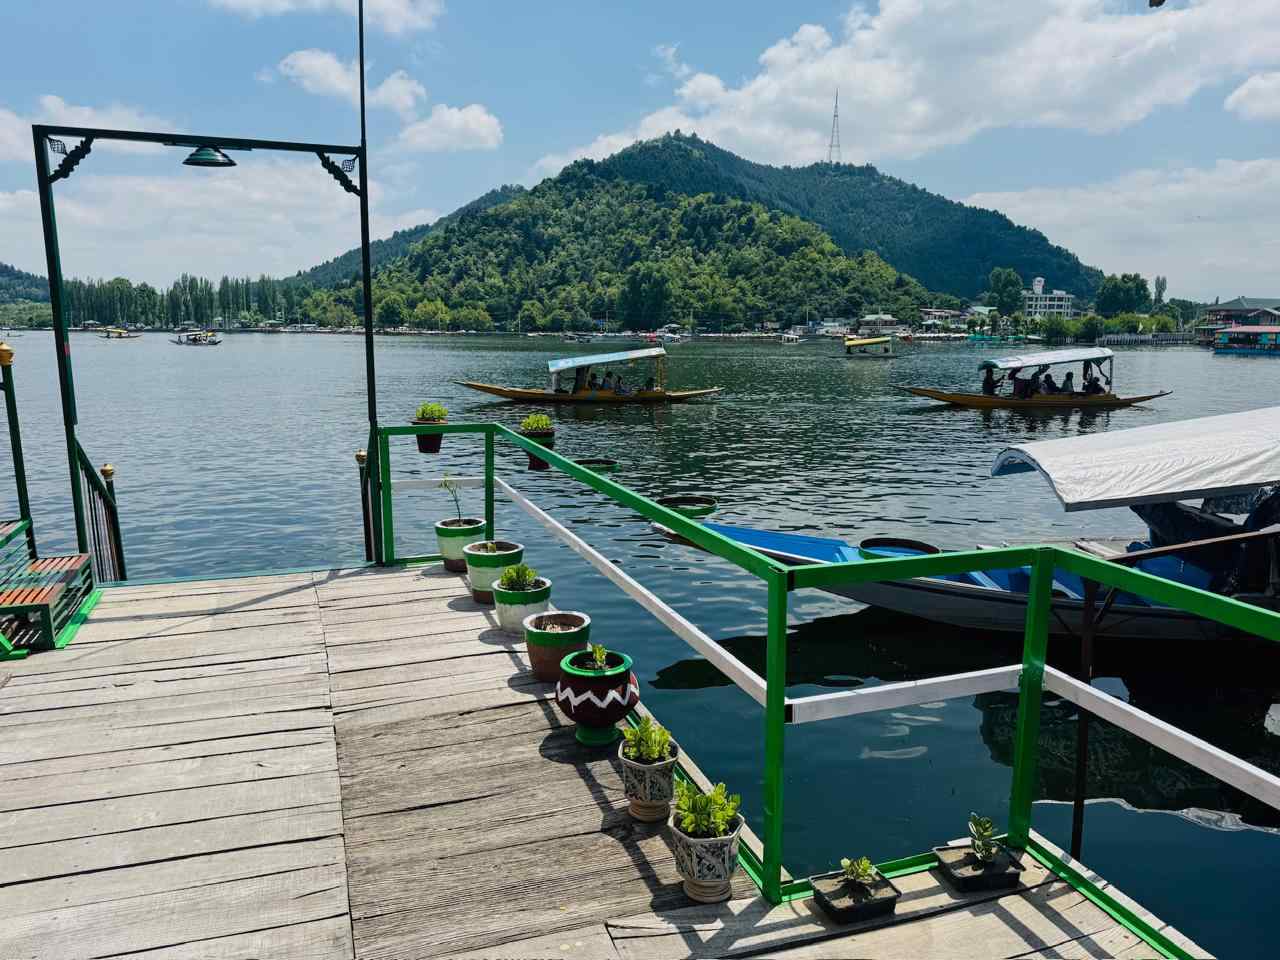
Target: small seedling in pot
x=861 y=871
x=519 y=578
x=647 y=742
x=447 y=484
x=599 y=655
x=982 y=838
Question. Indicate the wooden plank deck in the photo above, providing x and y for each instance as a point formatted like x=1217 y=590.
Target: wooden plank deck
x=358 y=764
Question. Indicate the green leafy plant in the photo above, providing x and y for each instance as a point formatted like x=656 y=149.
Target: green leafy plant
x=448 y=486
x=432 y=411
x=536 y=423
x=599 y=655
x=648 y=741
x=705 y=814
x=519 y=577
x=982 y=837
x=861 y=871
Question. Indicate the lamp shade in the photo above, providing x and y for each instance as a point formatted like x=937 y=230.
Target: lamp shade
x=208 y=157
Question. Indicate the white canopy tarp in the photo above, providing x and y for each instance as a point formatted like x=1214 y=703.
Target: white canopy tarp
x=1047 y=358
x=1184 y=460
x=626 y=356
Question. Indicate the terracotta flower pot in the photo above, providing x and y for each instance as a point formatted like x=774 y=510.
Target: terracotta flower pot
x=548 y=647
x=429 y=442
x=649 y=786
x=454 y=534
x=484 y=567
x=596 y=699
x=515 y=605
x=548 y=440
x=706 y=864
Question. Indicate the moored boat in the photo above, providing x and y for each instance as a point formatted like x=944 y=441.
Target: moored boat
x=1026 y=393
x=573 y=381
x=197 y=338
x=869 y=348
x=118 y=333
x=1256 y=341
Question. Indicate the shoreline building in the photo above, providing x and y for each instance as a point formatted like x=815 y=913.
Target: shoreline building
x=1038 y=304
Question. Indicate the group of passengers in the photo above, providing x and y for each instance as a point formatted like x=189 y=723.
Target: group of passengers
x=613 y=383
x=1041 y=382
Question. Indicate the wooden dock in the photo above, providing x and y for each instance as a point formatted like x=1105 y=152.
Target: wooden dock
x=358 y=764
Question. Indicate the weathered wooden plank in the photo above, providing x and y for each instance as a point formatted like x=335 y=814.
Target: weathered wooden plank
x=113 y=676
x=145 y=778
x=108 y=850
x=179 y=916
x=1116 y=942
x=517 y=719
x=439 y=592
x=191 y=587
x=115 y=816
x=494 y=673
x=461 y=702
x=328 y=939
x=489 y=662
x=397 y=652
x=426 y=609
x=586 y=942
x=217 y=604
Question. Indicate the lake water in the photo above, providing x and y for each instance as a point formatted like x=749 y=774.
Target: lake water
x=240 y=458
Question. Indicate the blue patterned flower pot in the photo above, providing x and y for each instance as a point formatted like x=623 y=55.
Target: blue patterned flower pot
x=706 y=864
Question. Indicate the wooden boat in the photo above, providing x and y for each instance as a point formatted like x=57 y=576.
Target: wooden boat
x=1088 y=357
x=200 y=338
x=572 y=382
x=869 y=348
x=118 y=333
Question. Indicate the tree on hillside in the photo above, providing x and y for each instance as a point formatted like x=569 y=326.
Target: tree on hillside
x=1006 y=291
x=1161 y=285
x=391 y=311
x=431 y=315
x=1127 y=293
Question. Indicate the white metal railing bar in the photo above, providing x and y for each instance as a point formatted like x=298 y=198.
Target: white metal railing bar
x=847 y=703
x=727 y=663
x=1245 y=777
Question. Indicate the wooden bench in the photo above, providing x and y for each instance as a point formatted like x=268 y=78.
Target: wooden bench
x=38 y=596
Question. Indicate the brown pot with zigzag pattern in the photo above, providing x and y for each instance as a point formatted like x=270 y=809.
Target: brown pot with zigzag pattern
x=596 y=698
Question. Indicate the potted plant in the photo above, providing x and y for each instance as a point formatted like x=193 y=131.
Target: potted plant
x=518 y=593
x=648 y=758
x=596 y=689
x=537 y=427
x=454 y=534
x=486 y=561
x=704 y=838
x=550 y=637
x=855 y=892
x=430 y=413
x=986 y=864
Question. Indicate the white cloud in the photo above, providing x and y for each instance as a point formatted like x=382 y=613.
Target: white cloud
x=1208 y=229
x=453 y=128
x=393 y=16
x=916 y=76
x=15 y=130
x=1258 y=98
x=272 y=215
x=322 y=73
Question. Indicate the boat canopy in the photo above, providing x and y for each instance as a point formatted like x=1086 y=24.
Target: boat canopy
x=1207 y=457
x=572 y=363
x=1047 y=358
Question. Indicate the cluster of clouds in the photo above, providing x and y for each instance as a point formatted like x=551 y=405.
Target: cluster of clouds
x=392 y=16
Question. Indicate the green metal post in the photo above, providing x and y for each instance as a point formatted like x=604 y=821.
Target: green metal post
x=488 y=484
x=62 y=344
x=384 y=488
x=15 y=443
x=1030 y=690
x=775 y=726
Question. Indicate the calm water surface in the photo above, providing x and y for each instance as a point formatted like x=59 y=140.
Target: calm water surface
x=240 y=458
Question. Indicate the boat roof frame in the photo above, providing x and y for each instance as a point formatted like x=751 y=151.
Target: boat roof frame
x=1048 y=358
x=624 y=356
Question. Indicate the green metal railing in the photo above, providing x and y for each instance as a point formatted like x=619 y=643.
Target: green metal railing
x=104 y=543
x=781 y=579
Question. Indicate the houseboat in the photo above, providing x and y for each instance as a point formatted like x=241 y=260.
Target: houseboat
x=1248 y=341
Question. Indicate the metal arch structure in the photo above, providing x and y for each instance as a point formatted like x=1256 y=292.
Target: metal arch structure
x=49 y=138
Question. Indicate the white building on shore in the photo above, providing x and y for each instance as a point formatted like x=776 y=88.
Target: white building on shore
x=1037 y=303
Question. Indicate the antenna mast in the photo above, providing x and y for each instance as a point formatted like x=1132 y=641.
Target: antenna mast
x=833 y=149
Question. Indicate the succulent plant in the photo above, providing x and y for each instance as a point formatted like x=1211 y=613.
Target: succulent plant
x=982 y=837
x=432 y=411
x=647 y=741
x=861 y=871
x=705 y=814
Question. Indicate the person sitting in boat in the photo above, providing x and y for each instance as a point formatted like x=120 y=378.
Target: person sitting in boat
x=593 y=382
x=618 y=388
x=1068 y=384
x=990 y=384
x=1094 y=386
x=1020 y=387
x=608 y=380
x=1048 y=385
x=649 y=385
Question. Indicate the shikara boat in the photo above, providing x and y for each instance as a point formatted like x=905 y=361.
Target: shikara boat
x=869 y=348
x=199 y=338
x=1231 y=461
x=118 y=333
x=1088 y=357
x=572 y=381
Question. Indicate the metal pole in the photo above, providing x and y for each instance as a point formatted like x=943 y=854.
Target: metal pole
x=108 y=472
x=775 y=726
x=362 y=462
x=15 y=443
x=1030 y=691
x=66 y=382
x=1082 y=718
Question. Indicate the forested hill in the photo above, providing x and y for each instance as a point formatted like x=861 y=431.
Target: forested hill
x=946 y=245
x=578 y=247
x=381 y=252
x=17 y=285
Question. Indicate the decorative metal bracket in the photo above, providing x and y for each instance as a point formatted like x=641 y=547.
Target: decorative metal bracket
x=69 y=160
x=339 y=173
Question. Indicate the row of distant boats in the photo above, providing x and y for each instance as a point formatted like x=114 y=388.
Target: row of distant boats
x=184 y=338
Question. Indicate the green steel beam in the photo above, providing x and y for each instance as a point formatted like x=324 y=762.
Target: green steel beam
x=488 y=485
x=15 y=444
x=1030 y=691
x=775 y=728
x=935 y=564
x=384 y=488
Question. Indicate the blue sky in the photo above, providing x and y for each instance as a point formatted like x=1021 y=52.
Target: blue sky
x=1143 y=140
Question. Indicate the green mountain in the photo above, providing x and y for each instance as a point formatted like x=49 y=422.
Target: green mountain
x=343 y=268
x=18 y=285
x=945 y=245
x=581 y=246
